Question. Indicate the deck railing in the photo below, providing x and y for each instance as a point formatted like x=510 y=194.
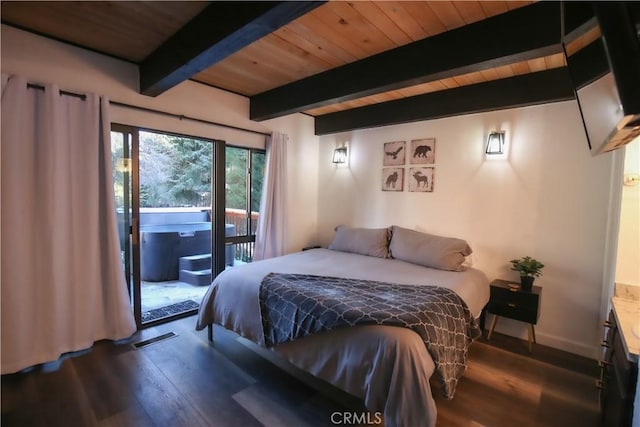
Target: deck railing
x=238 y=217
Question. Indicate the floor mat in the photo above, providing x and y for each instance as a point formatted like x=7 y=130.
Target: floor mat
x=170 y=310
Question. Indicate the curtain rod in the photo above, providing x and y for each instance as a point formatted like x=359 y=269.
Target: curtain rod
x=62 y=92
x=151 y=110
x=183 y=117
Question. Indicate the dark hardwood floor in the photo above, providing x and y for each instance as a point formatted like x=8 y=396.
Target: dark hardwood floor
x=187 y=381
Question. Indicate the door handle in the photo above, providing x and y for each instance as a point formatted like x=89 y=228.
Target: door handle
x=134 y=231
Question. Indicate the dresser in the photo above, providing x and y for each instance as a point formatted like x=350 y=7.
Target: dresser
x=619 y=366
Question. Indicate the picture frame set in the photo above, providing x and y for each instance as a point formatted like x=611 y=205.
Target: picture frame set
x=420 y=178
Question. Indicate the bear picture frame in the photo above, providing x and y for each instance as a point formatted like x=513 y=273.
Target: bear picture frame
x=422 y=151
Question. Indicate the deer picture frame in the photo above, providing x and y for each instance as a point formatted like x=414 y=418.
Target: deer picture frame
x=421 y=179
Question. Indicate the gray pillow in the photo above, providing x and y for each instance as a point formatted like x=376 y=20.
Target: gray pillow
x=363 y=241
x=443 y=253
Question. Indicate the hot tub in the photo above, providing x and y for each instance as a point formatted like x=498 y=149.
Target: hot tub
x=162 y=245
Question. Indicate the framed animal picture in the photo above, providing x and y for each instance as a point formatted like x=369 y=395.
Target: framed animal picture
x=421 y=179
x=423 y=151
x=392 y=179
x=394 y=153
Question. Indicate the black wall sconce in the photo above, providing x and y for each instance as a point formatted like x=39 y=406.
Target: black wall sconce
x=495 y=143
x=340 y=155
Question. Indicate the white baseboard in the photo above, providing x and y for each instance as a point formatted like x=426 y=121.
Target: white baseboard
x=581 y=349
x=517 y=329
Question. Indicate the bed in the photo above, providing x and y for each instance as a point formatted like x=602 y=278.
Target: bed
x=388 y=367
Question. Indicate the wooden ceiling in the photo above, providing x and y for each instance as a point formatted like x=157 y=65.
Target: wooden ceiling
x=338 y=33
x=350 y=64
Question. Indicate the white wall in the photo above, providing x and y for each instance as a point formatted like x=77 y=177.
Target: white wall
x=628 y=259
x=42 y=60
x=547 y=199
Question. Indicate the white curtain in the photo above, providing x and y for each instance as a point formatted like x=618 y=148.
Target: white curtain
x=272 y=222
x=63 y=285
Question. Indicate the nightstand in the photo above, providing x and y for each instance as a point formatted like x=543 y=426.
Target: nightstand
x=514 y=303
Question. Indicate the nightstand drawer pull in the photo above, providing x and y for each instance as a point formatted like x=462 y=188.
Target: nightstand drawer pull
x=607 y=324
x=603 y=363
x=605 y=343
x=600 y=385
x=512 y=305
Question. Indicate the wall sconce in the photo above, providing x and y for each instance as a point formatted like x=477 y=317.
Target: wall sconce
x=340 y=155
x=495 y=143
x=123 y=165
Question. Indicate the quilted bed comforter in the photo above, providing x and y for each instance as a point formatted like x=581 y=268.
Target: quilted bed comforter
x=296 y=305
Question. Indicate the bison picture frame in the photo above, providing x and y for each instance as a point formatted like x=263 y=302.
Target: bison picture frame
x=394 y=153
x=423 y=151
x=392 y=179
x=421 y=179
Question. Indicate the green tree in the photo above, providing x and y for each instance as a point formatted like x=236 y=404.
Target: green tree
x=156 y=155
x=190 y=175
x=176 y=171
x=257 y=178
x=236 y=177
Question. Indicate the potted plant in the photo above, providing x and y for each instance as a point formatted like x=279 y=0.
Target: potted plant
x=528 y=268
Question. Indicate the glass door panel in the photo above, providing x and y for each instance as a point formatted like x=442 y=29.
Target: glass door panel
x=121 y=172
x=236 y=212
x=257 y=177
x=175 y=224
x=124 y=149
x=244 y=169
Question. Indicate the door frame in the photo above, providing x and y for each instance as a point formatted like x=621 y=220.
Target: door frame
x=132 y=238
x=218 y=195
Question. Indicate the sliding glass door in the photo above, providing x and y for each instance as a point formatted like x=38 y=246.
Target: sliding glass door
x=165 y=196
x=188 y=208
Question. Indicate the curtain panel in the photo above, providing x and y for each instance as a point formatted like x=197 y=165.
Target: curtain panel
x=271 y=239
x=63 y=286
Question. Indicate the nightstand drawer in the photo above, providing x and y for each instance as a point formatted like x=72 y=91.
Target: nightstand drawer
x=516 y=305
x=515 y=311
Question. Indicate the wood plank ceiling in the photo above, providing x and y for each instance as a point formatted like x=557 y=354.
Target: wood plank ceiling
x=369 y=47
x=340 y=32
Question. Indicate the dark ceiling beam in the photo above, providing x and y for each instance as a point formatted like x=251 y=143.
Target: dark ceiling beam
x=525 y=33
x=519 y=91
x=588 y=64
x=220 y=30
